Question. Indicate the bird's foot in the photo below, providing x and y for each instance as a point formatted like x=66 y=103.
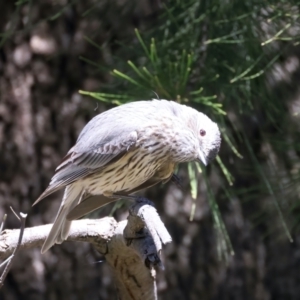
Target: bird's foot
x=143 y=200
x=145 y=231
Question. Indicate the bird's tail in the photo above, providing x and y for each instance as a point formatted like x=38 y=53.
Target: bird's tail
x=61 y=226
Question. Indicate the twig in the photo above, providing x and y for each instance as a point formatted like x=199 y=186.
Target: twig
x=3 y=222
x=9 y=261
x=15 y=213
x=2 y=264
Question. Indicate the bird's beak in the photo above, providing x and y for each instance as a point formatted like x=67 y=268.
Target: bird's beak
x=202 y=158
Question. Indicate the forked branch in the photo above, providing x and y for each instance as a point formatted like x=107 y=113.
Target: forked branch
x=132 y=248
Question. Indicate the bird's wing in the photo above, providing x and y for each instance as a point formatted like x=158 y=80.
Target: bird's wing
x=79 y=163
x=106 y=138
x=90 y=204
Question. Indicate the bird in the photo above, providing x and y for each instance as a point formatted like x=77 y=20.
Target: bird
x=126 y=149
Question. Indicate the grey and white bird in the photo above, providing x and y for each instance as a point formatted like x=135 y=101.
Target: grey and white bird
x=125 y=149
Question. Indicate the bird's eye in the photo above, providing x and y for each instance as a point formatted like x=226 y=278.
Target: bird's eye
x=202 y=132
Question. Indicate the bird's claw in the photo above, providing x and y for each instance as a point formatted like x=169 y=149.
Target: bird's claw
x=143 y=200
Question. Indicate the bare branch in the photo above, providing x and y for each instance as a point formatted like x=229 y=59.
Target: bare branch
x=97 y=232
x=133 y=266
x=132 y=248
x=134 y=280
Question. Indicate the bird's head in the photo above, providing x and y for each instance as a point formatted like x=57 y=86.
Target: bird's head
x=209 y=139
x=204 y=135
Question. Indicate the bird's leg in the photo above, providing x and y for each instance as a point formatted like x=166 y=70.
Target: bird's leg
x=139 y=232
x=137 y=199
x=144 y=229
x=177 y=180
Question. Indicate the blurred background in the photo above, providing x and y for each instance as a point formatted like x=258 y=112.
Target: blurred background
x=235 y=225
